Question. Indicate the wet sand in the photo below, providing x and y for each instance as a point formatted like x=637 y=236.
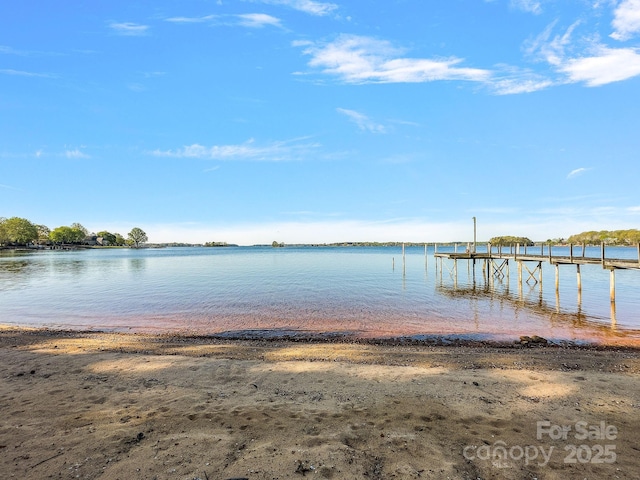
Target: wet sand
x=122 y=406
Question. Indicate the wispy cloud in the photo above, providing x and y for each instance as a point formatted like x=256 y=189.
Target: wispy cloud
x=577 y=172
x=8 y=187
x=626 y=21
x=248 y=20
x=551 y=48
x=362 y=121
x=129 y=29
x=360 y=59
x=258 y=20
x=311 y=7
x=271 y=152
x=76 y=154
x=12 y=51
x=587 y=62
x=513 y=81
x=22 y=73
x=531 y=6
x=204 y=19
x=606 y=65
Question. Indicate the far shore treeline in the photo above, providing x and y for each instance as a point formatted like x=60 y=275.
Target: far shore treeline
x=16 y=232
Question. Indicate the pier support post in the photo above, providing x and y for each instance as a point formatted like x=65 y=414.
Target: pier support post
x=612 y=285
x=557 y=278
x=519 y=273
x=540 y=275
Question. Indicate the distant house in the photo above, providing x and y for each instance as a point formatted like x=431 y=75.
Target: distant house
x=102 y=242
x=90 y=240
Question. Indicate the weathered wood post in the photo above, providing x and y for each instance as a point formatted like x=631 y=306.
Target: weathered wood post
x=579 y=277
x=579 y=288
x=571 y=252
x=602 y=253
x=584 y=248
x=403 y=259
x=612 y=286
x=540 y=275
x=426 y=259
x=557 y=278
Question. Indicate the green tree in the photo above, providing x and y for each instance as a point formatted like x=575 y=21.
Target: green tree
x=3 y=232
x=43 y=233
x=66 y=234
x=109 y=238
x=137 y=237
x=18 y=231
x=120 y=240
x=510 y=240
x=80 y=227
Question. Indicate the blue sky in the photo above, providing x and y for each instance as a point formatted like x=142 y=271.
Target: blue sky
x=312 y=121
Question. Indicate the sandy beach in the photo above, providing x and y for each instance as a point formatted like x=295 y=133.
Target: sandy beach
x=125 y=406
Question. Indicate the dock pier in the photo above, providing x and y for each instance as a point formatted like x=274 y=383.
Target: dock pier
x=496 y=263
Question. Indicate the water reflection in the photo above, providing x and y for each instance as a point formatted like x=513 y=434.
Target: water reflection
x=137 y=264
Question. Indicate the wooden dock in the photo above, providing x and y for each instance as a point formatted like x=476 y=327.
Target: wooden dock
x=496 y=262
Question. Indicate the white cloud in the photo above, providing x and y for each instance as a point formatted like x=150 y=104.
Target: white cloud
x=257 y=20
x=531 y=6
x=359 y=59
x=607 y=65
x=206 y=18
x=551 y=50
x=513 y=81
x=362 y=121
x=626 y=21
x=76 y=153
x=307 y=6
x=129 y=29
x=21 y=73
x=273 y=152
x=249 y=20
x=577 y=171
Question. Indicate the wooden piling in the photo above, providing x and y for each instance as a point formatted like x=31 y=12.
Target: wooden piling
x=579 y=275
x=612 y=285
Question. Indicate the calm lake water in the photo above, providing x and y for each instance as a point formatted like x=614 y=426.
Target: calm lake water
x=265 y=291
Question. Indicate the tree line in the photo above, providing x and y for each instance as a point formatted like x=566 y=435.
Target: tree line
x=609 y=237
x=16 y=231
